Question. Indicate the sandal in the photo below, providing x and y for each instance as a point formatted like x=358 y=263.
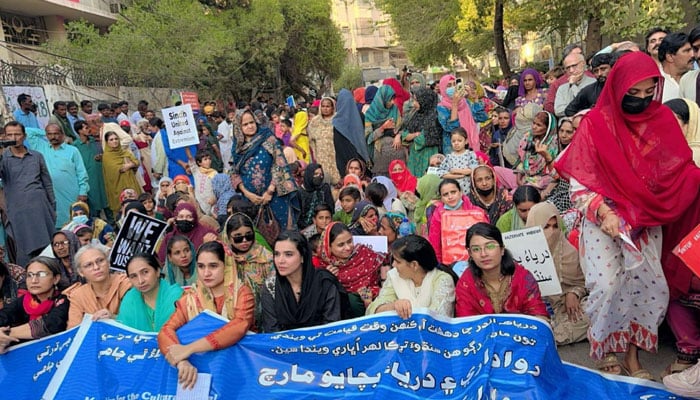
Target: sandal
x=675 y=368
x=609 y=362
x=640 y=373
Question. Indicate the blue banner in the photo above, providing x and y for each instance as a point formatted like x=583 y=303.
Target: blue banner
x=487 y=357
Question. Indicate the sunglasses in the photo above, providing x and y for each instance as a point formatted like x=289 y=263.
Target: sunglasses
x=247 y=237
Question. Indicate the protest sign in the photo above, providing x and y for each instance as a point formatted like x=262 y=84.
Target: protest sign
x=529 y=248
x=380 y=356
x=688 y=250
x=38 y=97
x=454 y=233
x=139 y=234
x=190 y=98
x=180 y=126
x=378 y=244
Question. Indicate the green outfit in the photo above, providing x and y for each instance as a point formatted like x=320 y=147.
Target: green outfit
x=419 y=154
x=97 y=197
x=342 y=216
x=135 y=313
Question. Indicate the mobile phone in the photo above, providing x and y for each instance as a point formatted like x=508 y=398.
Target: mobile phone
x=458 y=81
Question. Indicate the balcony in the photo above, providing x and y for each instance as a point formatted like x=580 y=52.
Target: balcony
x=98 y=12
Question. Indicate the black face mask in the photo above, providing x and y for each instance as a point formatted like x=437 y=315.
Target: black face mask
x=184 y=225
x=635 y=105
x=483 y=192
x=317 y=180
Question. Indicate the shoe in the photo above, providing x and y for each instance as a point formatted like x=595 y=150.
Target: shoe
x=640 y=373
x=686 y=383
x=610 y=362
x=674 y=368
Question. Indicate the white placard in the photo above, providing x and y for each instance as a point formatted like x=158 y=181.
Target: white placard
x=529 y=248
x=200 y=391
x=378 y=244
x=38 y=97
x=180 y=126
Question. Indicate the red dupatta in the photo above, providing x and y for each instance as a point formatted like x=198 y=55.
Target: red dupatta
x=641 y=162
x=404 y=181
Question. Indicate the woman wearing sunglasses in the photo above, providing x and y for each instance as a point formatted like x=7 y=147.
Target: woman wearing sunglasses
x=253 y=261
x=494 y=283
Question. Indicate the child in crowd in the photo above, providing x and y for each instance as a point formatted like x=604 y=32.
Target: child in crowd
x=315 y=244
x=286 y=137
x=203 y=174
x=349 y=196
x=459 y=163
x=84 y=234
x=150 y=205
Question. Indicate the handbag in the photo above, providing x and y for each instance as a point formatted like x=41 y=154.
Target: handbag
x=267 y=225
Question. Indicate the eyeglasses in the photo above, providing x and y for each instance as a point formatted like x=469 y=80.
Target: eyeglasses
x=40 y=275
x=61 y=243
x=97 y=263
x=249 y=237
x=489 y=247
x=572 y=66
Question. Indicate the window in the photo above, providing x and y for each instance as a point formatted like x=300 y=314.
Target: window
x=23 y=30
x=365 y=26
x=378 y=57
x=364 y=57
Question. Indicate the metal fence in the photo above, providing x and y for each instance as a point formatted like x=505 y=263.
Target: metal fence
x=37 y=75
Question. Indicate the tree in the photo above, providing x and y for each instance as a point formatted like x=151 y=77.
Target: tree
x=223 y=48
x=426 y=30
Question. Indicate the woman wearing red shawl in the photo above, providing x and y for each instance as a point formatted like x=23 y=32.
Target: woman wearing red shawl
x=401 y=94
x=356 y=266
x=453 y=114
x=401 y=176
x=649 y=181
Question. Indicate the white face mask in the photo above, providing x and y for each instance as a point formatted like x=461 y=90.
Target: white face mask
x=80 y=219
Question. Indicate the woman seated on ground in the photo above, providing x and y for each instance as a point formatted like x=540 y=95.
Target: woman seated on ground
x=314 y=192
x=65 y=245
x=356 y=266
x=180 y=265
x=187 y=224
x=103 y=291
x=80 y=215
x=486 y=193
x=452 y=200
x=417 y=280
x=524 y=198
x=253 y=261
x=151 y=300
x=298 y=295
x=218 y=290
x=536 y=153
x=494 y=283
x=41 y=312
x=364 y=219
x=323 y=215
x=569 y=322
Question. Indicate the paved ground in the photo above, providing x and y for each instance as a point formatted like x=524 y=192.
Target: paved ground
x=655 y=363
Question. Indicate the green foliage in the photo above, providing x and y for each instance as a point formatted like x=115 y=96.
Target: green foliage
x=425 y=29
x=350 y=78
x=224 y=48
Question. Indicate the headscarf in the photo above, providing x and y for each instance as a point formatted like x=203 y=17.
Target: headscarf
x=359 y=95
x=314 y=286
x=173 y=272
x=404 y=181
x=352 y=179
x=401 y=94
x=395 y=219
x=535 y=74
x=163 y=179
x=693 y=135
x=363 y=167
x=361 y=210
x=370 y=93
x=565 y=255
x=466 y=120
x=377 y=112
x=199 y=297
x=641 y=162
x=535 y=162
x=501 y=201
x=427 y=188
x=425 y=119
x=348 y=122
x=316 y=191
x=392 y=193
x=73 y=246
x=522 y=123
x=416 y=76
